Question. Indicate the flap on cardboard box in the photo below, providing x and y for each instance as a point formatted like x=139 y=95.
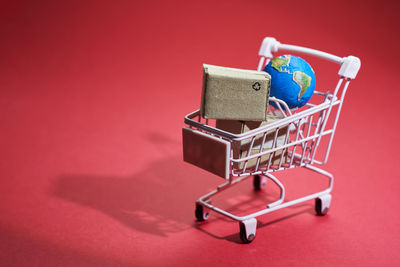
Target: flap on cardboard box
x=207 y=152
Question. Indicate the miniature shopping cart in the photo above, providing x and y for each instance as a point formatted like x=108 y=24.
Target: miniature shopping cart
x=290 y=142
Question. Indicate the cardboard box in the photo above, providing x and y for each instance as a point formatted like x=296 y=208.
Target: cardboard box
x=242 y=153
x=240 y=148
x=238 y=127
x=234 y=94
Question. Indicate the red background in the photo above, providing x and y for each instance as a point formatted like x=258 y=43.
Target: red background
x=93 y=96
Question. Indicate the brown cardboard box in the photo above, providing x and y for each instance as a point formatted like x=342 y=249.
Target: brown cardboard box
x=240 y=148
x=234 y=94
x=242 y=153
x=238 y=127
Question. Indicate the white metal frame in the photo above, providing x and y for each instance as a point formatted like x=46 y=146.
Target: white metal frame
x=306 y=129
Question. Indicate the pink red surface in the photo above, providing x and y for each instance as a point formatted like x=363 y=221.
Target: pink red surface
x=93 y=96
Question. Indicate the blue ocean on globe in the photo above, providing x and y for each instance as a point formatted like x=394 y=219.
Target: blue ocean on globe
x=292 y=80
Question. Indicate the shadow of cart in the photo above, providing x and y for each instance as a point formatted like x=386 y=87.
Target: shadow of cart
x=159 y=199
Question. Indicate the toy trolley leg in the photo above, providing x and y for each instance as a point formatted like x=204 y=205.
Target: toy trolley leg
x=248 y=224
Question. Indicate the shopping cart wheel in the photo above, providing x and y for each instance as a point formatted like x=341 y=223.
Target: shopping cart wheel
x=322 y=204
x=248 y=230
x=202 y=213
x=259 y=182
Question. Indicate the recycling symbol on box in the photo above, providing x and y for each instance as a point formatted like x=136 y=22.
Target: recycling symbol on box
x=256 y=86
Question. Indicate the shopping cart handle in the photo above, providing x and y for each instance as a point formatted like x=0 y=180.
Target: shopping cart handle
x=268 y=46
x=349 y=65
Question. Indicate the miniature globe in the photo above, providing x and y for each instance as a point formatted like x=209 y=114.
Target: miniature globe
x=292 y=80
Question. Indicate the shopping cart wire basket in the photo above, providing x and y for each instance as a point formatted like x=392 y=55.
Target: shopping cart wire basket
x=290 y=142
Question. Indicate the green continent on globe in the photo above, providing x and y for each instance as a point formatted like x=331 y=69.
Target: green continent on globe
x=278 y=62
x=303 y=80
